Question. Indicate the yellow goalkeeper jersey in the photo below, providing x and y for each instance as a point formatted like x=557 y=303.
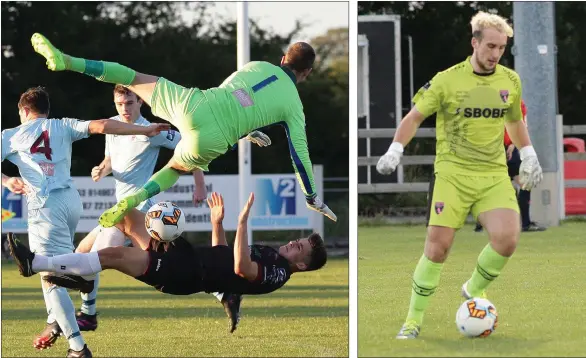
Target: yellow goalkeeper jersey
x=471 y=110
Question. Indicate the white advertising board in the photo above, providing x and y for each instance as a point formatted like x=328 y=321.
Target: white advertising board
x=279 y=203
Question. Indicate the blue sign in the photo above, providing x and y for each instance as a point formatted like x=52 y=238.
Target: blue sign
x=275 y=200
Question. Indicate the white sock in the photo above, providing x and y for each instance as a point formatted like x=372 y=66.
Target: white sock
x=106 y=237
x=62 y=307
x=109 y=237
x=50 y=315
x=72 y=264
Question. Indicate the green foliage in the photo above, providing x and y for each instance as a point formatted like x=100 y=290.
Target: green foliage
x=439 y=43
x=150 y=37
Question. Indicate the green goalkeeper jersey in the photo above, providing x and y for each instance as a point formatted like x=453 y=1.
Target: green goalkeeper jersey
x=471 y=109
x=259 y=95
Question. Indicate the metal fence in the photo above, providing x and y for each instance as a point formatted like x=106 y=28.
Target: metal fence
x=369 y=187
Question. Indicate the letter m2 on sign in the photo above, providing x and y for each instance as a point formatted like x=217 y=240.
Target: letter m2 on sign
x=275 y=196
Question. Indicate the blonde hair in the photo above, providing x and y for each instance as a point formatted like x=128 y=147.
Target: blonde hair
x=484 y=20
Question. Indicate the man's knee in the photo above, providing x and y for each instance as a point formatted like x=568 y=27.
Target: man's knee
x=438 y=243
x=504 y=240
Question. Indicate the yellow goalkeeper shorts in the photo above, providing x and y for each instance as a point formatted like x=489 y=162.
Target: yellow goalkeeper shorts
x=452 y=197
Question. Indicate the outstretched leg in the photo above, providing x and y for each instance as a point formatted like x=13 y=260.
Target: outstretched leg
x=160 y=181
x=131 y=261
x=141 y=84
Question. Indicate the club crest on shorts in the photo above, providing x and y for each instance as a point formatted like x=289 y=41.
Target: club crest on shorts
x=504 y=95
x=439 y=207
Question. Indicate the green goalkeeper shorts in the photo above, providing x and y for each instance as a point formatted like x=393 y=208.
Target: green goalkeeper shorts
x=452 y=197
x=188 y=109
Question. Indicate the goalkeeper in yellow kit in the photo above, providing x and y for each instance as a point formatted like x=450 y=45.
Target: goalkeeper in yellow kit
x=472 y=100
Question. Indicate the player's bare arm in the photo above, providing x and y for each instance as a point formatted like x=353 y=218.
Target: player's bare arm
x=216 y=204
x=408 y=127
x=518 y=133
x=404 y=134
x=243 y=265
x=102 y=170
x=200 y=192
x=110 y=126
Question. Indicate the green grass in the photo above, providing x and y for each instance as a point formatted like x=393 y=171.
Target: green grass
x=539 y=295
x=308 y=317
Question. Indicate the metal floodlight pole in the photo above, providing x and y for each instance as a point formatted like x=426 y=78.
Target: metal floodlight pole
x=535 y=61
x=244 y=155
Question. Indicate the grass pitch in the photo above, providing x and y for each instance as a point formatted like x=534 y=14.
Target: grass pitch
x=308 y=317
x=539 y=296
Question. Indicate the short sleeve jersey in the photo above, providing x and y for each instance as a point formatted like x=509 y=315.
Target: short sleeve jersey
x=219 y=276
x=41 y=149
x=133 y=157
x=471 y=110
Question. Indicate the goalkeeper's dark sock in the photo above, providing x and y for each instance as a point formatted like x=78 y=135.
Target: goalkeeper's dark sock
x=425 y=280
x=110 y=72
x=523 y=199
x=489 y=266
x=160 y=181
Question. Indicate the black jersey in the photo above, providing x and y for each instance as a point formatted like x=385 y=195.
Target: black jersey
x=219 y=276
x=178 y=268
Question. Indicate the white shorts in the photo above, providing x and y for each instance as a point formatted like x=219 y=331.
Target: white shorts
x=52 y=228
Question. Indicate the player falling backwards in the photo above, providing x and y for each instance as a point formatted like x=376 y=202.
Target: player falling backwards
x=177 y=268
x=210 y=121
x=131 y=160
x=474 y=100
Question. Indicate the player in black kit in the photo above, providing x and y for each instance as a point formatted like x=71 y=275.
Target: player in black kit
x=179 y=269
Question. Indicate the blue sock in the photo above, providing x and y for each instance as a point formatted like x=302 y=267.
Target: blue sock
x=88 y=300
x=62 y=308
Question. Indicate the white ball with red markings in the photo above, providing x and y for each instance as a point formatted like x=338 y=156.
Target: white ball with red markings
x=165 y=221
x=477 y=317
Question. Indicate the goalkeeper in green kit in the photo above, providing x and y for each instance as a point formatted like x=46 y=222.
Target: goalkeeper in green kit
x=211 y=121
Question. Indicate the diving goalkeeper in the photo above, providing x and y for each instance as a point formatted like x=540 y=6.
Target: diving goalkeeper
x=210 y=121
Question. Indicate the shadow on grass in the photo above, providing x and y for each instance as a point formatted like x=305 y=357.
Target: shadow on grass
x=109 y=295
x=295 y=311
x=7 y=292
x=494 y=344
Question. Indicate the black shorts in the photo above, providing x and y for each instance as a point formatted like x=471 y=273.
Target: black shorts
x=514 y=164
x=176 y=272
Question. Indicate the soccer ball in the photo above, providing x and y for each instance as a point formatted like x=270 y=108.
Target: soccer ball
x=165 y=221
x=477 y=317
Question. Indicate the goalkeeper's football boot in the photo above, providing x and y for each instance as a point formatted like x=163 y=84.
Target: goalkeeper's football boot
x=48 y=337
x=84 y=353
x=467 y=295
x=21 y=254
x=231 y=303
x=410 y=330
x=55 y=58
x=86 y=322
x=116 y=213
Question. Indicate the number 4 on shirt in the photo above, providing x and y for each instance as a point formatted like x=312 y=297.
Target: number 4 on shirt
x=46 y=146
